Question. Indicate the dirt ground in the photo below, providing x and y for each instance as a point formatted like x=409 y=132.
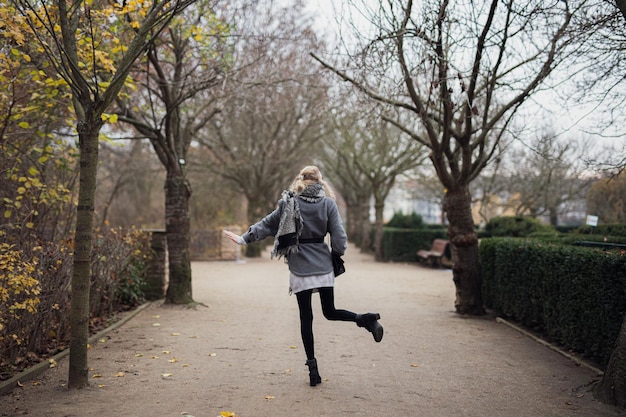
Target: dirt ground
x=241 y=353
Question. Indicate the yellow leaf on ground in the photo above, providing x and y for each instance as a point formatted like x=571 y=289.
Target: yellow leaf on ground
x=97 y=376
x=228 y=414
x=120 y=374
x=173 y=360
x=175 y=334
x=414 y=365
x=165 y=376
x=269 y=397
x=138 y=355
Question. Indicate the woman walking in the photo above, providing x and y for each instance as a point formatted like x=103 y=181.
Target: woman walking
x=305 y=214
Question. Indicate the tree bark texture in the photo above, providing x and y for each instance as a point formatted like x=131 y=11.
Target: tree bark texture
x=612 y=388
x=155 y=275
x=81 y=276
x=177 y=194
x=378 y=231
x=463 y=237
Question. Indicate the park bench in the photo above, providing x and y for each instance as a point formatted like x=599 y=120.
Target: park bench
x=439 y=250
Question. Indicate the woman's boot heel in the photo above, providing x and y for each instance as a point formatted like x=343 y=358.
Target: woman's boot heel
x=314 y=376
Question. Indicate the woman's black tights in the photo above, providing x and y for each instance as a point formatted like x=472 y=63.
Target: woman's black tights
x=327 y=297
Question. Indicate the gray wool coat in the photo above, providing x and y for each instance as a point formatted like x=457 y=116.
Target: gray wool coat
x=319 y=218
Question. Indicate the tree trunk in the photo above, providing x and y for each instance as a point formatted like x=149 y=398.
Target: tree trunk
x=177 y=194
x=378 y=231
x=466 y=270
x=554 y=216
x=366 y=226
x=612 y=388
x=352 y=224
x=81 y=277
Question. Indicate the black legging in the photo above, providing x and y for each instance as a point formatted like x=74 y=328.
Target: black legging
x=327 y=297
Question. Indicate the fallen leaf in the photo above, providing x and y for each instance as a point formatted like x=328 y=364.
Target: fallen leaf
x=156 y=324
x=119 y=374
x=414 y=365
x=156 y=317
x=102 y=340
x=19 y=384
x=293 y=347
x=101 y=385
x=228 y=414
x=165 y=376
x=175 y=334
x=52 y=362
x=185 y=365
x=166 y=352
x=36 y=383
x=173 y=360
x=212 y=354
x=138 y=355
x=154 y=357
x=193 y=337
x=97 y=376
x=269 y=397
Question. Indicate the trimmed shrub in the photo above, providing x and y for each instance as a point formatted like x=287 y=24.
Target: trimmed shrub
x=575 y=296
x=404 y=221
x=515 y=226
x=401 y=245
x=603 y=230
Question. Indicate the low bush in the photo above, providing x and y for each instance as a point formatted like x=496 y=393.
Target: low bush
x=515 y=226
x=406 y=221
x=401 y=245
x=35 y=289
x=574 y=295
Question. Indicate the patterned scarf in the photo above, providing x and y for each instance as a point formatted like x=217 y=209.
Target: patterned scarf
x=290 y=225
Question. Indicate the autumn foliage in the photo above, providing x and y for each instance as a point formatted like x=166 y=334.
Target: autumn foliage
x=38 y=176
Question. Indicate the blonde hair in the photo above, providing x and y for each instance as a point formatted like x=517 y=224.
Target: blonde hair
x=310 y=175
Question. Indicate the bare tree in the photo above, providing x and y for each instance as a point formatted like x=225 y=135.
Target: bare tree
x=599 y=70
x=174 y=102
x=548 y=174
x=366 y=149
x=462 y=71
x=275 y=110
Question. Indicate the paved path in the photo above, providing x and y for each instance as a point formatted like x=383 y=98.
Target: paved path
x=242 y=353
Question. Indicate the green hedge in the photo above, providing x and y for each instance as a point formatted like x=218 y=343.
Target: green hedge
x=515 y=226
x=401 y=245
x=604 y=230
x=575 y=296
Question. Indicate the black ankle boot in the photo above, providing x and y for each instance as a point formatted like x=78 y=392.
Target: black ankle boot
x=370 y=322
x=314 y=376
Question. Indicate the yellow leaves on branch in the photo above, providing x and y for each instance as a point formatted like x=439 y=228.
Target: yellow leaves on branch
x=19 y=289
